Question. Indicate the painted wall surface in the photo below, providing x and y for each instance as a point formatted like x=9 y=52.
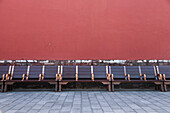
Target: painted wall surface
x=84 y=29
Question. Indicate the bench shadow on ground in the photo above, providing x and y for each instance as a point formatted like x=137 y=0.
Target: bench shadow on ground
x=17 y=87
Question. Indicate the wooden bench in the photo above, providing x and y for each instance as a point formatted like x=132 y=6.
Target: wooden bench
x=30 y=74
x=4 y=71
x=134 y=74
x=83 y=74
x=164 y=72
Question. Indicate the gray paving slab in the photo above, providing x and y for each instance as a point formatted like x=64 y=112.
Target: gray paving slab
x=85 y=102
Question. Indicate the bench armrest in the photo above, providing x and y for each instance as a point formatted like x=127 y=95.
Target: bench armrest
x=27 y=75
x=110 y=77
x=143 y=75
x=164 y=77
x=3 y=77
x=92 y=76
x=159 y=76
x=41 y=77
x=127 y=76
x=76 y=77
x=8 y=77
x=56 y=77
x=23 y=77
x=60 y=77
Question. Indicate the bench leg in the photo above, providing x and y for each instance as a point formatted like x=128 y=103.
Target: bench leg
x=2 y=88
x=5 y=88
x=109 y=87
x=59 y=87
x=162 y=88
x=156 y=87
x=12 y=87
x=113 y=87
x=56 y=87
x=165 y=88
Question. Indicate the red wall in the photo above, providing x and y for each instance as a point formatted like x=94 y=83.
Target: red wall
x=84 y=29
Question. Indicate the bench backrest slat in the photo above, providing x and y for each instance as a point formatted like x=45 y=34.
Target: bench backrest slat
x=69 y=72
x=99 y=72
x=84 y=72
x=133 y=71
x=50 y=72
x=118 y=72
x=35 y=71
x=165 y=70
x=149 y=71
x=19 y=71
x=3 y=70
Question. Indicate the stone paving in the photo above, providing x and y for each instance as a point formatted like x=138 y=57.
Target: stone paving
x=85 y=102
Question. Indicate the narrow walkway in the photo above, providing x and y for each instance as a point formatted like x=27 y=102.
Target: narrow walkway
x=85 y=102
